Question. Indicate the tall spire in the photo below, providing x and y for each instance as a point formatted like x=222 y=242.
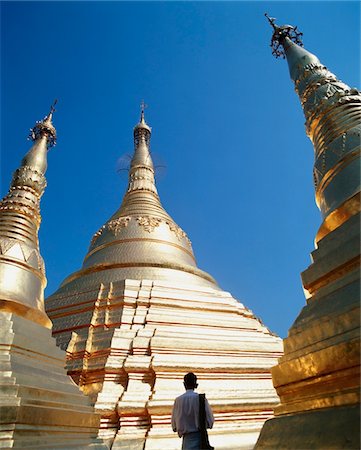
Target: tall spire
x=140 y=240
x=141 y=173
x=318 y=377
x=332 y=112
x=43 y=134
x=33 y=382
x=22 y=273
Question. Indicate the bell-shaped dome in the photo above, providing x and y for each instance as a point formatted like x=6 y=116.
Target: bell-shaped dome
x=141 y=240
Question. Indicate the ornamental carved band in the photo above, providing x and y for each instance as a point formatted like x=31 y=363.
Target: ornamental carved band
x=27 y=187
x=326 y=100
x=26 y=176
x=176 y=230
x=15 y=249
x=141 y=134
x=114 y=226
x=148 y=223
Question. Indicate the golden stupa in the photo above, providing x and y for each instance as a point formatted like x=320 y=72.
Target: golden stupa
x=318 y=378
x=140 y=314
x=40 y=407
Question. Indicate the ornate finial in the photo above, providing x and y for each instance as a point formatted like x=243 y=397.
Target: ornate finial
x=52 y=107
x=279 y=34
x=271 y=20
x=142 y=127
x=45 y=128
x=142 y=108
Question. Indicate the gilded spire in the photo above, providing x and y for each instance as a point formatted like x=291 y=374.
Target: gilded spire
x=22 y=272
x=141 y=174
x=142 y=125
x=332 y=111
x=140 y=240
x=45 y=128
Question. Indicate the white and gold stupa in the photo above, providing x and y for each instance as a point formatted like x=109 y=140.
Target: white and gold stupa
x=140 y=314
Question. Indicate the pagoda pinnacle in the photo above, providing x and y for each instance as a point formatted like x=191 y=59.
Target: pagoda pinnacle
x=22 y=272
x=142 y=123
x=332 y=112
x=141 y=173
x=280 y=36
x=322 y=347
x=43 y=134
x=140 y=239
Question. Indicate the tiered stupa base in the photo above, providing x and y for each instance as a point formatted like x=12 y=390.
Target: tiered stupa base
x=325 y=429
x=40 y=406
x=135 y=341
x=318 y=378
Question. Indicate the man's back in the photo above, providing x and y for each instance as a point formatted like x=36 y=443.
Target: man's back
x=185 y=417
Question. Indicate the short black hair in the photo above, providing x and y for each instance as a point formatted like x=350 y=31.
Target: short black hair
x=190 y=380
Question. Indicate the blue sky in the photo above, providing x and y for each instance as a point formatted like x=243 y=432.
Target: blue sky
x=227 y=126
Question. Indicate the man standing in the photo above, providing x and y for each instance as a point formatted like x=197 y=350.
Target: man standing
x=185 y=415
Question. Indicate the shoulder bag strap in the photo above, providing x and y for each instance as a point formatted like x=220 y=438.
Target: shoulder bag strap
x=203 y=423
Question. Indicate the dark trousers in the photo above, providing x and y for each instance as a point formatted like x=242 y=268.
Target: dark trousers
x=192 y=441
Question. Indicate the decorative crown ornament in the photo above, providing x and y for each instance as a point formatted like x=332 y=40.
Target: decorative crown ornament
x=45 y=127
x=279 y=34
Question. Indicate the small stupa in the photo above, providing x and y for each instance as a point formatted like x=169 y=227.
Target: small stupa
x=140 y=314
x=40 y=407
x=318 y=378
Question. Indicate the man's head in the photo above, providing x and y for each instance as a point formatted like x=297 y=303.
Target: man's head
x=190 y=381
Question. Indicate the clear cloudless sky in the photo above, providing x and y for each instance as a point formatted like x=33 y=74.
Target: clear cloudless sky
x=227 y=126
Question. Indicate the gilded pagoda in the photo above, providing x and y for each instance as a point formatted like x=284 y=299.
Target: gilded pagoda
x=40 y=407
x=140 y=314
x=318 y=378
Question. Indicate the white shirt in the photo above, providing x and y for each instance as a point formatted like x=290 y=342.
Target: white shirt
x=185 y=415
